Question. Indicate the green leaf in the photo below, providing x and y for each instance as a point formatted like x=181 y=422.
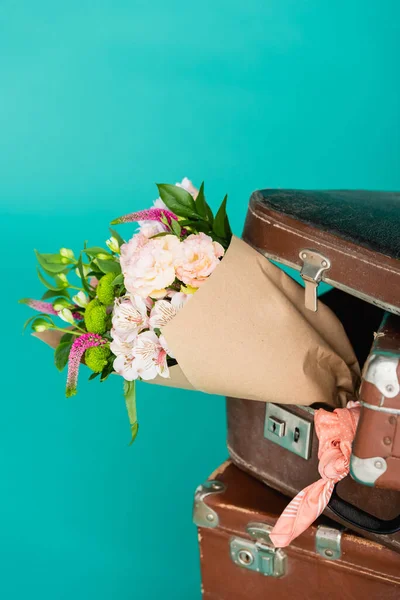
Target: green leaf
x=176 y=228
x=109 y=266
x=50 y=286
x=54 y=294
x=117 y=236
x=202 y=207
x=61 y=354
x=177 y=200
x=82 y=274
x=50 y=267
x=130 y=401
x=118 y=280
x=67 y=337
x=93 y=376
x=221 y=223
x=95 y=250
x=202 y=226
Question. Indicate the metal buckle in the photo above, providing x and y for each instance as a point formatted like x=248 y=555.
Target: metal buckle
x=314 y=265
x=258 y=555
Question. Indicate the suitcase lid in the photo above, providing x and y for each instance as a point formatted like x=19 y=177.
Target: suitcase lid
x=349 y=239
x=242 y=500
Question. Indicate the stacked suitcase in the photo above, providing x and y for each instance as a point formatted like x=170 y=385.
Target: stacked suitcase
x=351 y=240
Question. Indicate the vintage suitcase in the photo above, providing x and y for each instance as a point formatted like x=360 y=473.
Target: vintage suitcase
x=235 y=513
x=375 y=459
x=328 y=236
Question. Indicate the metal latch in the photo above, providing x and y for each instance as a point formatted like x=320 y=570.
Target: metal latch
x=258 y=554
x=204 y=515
x=288 y=430
x=328 y=542
x=314 y=265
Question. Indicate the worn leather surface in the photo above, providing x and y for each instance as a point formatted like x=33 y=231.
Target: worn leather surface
x=378 y=433
x=365 y=569
x=370 y=219
x=357 y=269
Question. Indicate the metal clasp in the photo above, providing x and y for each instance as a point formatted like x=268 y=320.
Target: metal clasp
x=258 y=555
x=314 y=265
x=328 y=542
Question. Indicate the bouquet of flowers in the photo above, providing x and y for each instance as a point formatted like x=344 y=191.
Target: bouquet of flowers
x=184 y=303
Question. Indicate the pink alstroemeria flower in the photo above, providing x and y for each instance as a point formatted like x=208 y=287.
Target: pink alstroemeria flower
x=80 y=345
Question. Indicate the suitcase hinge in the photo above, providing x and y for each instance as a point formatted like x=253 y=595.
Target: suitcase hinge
x=328 y=542
x=203 y=515
x=314 y=265
x=258 y=554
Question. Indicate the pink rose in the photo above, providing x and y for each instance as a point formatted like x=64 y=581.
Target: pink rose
x=149 y=269
x=198 y=256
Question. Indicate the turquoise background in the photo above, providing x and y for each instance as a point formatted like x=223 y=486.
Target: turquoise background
x=98 y=100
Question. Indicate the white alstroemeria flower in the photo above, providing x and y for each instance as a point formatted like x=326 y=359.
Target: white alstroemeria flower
x=126 y=366
x=163 y=310
x=112 y=244
x=118 y=346
x=129 y=317
x=80 y=299
x=151 y=356
x=66 y=315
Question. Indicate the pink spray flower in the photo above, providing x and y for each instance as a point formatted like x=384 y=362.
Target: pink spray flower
x=150 y=214
x=80 y=345
x=46 y=308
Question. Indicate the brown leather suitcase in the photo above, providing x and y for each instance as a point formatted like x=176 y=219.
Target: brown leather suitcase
x=350 y=240
x=375 y=459
x=235 y=513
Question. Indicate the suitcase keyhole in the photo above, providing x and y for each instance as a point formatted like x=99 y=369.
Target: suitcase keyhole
x=296 y=434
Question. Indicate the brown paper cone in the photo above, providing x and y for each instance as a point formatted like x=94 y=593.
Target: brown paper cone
x=246 y=333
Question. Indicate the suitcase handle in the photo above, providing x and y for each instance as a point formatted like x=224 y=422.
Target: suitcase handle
x=359 y=518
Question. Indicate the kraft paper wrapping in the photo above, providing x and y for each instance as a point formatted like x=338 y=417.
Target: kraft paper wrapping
x=246 y=333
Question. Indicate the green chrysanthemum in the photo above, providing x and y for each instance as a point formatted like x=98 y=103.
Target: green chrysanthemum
x=96 y=358
x=96 y=317
x=105 y=289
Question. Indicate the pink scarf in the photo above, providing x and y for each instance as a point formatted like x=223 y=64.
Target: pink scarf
x=335 y=431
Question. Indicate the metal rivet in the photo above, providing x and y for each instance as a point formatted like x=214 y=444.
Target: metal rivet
x=392 y=420
x=210 y=517
x=387 y=440
x=324 y=263
x=216 y=486
x=328 y=553
x=378 y=464
x=389 y=388
x=304 y=255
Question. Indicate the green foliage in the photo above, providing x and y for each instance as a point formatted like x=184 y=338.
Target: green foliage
x=105 y=289
x=130 y=401
x=55 y=294
x=202 y=207
x=117 y=236
x=61 y=354
x=52 y=263
x=221 y=223
x=177 y=200
x=51 y=286
x=95 y=317
x=96 y=358
x=108 y=266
